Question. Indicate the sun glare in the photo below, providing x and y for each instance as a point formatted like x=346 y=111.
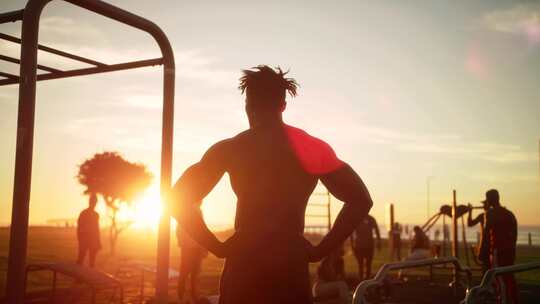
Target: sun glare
x=147 y=209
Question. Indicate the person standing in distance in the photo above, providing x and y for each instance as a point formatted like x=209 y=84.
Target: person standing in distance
x=363 y=245
x=88 y=232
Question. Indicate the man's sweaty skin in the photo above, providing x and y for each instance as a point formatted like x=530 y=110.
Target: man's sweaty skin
x=273 y=169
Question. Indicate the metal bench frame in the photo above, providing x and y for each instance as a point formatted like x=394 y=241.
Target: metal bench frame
x=107 y=281
x=361 y=289
x=486 y=286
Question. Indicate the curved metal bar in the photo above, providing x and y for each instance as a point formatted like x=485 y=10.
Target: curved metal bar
x=25 y=132
x=432 y=220
x=383 y=272
x=489 y=277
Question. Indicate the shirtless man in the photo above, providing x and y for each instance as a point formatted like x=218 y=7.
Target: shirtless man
x=273 y=169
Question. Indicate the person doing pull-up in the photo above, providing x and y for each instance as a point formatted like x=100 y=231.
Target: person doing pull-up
x=273 y=169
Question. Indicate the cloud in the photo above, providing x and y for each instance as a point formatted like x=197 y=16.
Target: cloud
x=522 y=20
x=452 y=145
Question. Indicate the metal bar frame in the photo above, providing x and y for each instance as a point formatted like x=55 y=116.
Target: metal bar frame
x=53 y=51
x=11 y=16
x=15 y=280
x=39 y=66
x=92 y=70
x=379 y=279
x=486 y=286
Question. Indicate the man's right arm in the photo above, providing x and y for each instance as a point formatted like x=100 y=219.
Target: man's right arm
x=477 y=219
x=348 y=187
x=188 y=192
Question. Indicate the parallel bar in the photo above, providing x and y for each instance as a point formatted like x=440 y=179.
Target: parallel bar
x=39 y=66
x=54 y=51
x=93 y=70
x=9 y=76
x=11 y=16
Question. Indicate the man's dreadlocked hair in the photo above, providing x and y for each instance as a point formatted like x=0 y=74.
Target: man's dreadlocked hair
x=267 y=85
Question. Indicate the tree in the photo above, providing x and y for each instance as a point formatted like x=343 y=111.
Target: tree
x=117 y=181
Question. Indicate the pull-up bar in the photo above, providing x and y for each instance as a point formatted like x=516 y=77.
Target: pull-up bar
x=26 y=80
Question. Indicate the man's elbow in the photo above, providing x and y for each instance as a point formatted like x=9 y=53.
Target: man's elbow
x=365 y=204
x=361 y=206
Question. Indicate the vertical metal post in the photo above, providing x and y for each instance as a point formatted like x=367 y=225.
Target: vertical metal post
x=162 y=269
x=445 y=235
x=15 y=280
x=391 y=233
x=455 y=249
x=428 y=196
x=328 y=208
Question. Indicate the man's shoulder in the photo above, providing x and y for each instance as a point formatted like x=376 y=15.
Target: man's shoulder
x=316 y=155
x=306 y=137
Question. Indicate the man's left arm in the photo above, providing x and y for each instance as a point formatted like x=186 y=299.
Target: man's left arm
x=188 y=192
x=349 y=188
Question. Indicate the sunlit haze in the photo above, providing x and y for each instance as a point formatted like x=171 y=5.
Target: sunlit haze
x=409 y=93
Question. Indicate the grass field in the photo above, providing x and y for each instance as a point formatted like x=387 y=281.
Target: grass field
x=47 y=244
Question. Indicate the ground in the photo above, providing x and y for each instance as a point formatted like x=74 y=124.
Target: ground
x=59 y=244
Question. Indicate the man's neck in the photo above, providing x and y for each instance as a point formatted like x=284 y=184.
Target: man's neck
x=268 y=122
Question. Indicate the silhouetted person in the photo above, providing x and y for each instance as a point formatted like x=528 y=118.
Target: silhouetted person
x=192 y=255
x=479 y=219
x=363 y=245
x=498 y=244
x=420 y=245
x=273 y=169
x=88 y=233
x=331 y=279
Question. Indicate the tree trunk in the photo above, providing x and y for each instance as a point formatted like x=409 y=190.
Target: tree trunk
x=113 y=234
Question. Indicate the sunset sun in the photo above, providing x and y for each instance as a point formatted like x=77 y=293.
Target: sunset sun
x=147 y=209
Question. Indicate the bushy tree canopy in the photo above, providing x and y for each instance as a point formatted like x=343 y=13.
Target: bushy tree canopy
x=113 y=177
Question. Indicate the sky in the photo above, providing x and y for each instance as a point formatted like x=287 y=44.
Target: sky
x=407 y=92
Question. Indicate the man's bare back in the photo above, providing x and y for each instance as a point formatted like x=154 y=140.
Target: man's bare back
x=273 y=169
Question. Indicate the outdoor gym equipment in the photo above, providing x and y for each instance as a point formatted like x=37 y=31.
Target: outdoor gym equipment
x=486 y=293
x=366 y=292
x=454 y=212
x=26 y=80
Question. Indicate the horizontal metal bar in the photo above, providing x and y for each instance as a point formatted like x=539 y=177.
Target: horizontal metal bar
x=39 y=66
x=93 y=70
x=320 y=193
x=9 y=76
x=54 y=51
x=317 y=215
x=11 y=16
x=317 y=205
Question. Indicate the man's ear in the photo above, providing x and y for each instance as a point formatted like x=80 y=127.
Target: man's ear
x=283 y=106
